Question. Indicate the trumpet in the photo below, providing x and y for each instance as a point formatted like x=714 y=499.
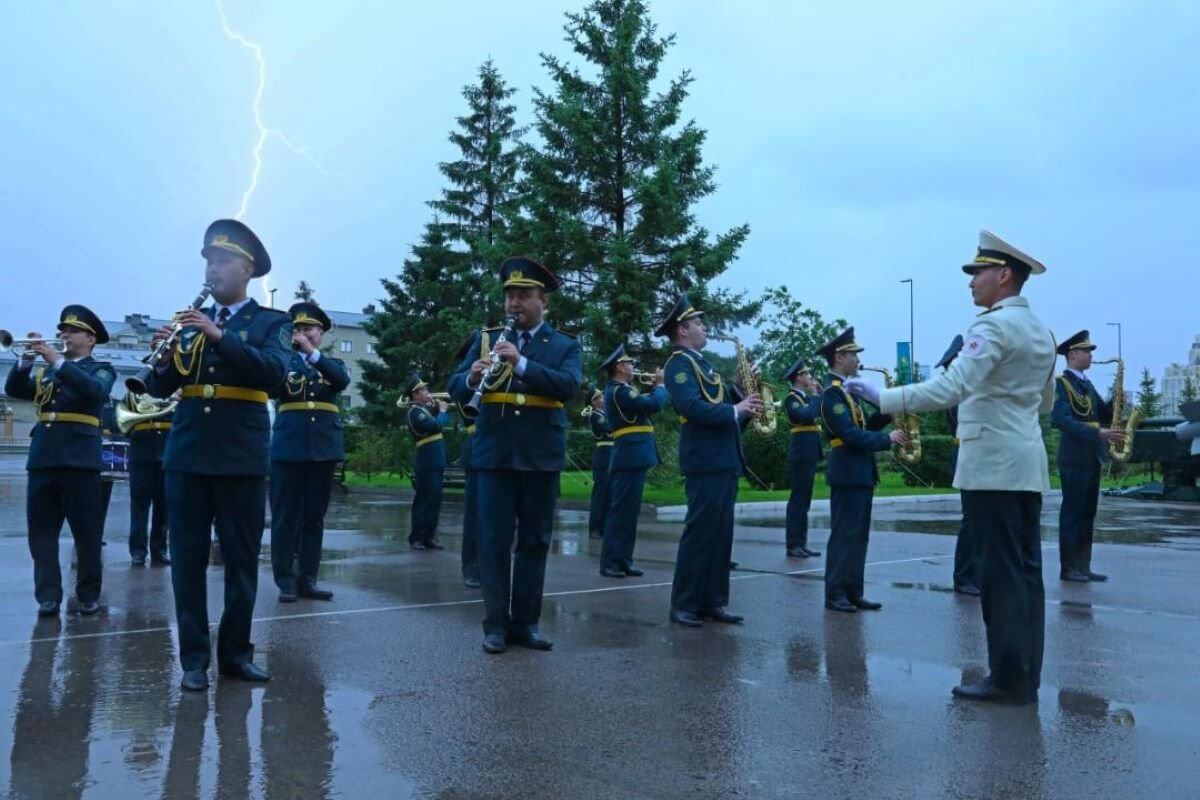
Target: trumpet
x=404 y=402
x=137 y=383
x=644 y=378
x=7 y=342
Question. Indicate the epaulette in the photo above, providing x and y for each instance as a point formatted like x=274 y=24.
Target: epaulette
x=564 y=333
x=492 y=330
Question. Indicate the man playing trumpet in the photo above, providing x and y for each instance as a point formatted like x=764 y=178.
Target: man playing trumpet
x=633 y=454
x=65 y=460
x=429 y=463
x=803 y=407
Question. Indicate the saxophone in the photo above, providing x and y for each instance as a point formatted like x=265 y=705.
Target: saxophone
x=1122 y=452
x=909 y=423
x=764 y=423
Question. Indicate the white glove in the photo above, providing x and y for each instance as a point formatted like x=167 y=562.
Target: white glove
x=860 y=388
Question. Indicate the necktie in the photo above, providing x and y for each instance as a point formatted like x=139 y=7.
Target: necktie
x=525 y=337
x=222 y=317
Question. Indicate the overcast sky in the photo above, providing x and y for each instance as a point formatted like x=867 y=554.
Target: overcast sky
x=863 y=143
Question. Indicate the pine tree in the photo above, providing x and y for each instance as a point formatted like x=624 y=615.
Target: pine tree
x=305 y=292
x=612 y=185
x=1149 y=400
x=449 y=287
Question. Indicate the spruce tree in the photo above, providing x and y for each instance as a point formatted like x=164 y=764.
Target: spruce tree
x=612 y=185
x=449 y=286
x=1149 y=399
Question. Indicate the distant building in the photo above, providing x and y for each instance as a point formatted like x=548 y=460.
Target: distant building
x=129 y=343
x=1175 y=376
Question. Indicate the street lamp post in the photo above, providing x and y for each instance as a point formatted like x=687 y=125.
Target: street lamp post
x=1117 y=325
x=272 y=293
x=912 y=347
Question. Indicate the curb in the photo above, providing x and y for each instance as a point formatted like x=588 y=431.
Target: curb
x=777 y=509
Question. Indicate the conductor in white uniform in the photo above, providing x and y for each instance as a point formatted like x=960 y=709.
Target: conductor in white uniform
x=1001 y=381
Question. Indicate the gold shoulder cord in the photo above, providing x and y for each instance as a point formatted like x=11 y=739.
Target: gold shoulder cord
x=43 y=391
x=621 y=411
x=856 y=413
x=296 y=383
x=505 y=377
x=1081 y=406
x=717 y=397
x=192 y=353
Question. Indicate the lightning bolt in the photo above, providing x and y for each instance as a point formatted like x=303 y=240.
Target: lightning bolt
x=264 y=131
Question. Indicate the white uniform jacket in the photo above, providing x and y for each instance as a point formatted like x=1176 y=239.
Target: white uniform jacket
x=1002 y=379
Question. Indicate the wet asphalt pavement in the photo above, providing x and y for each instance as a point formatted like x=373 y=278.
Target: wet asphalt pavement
x=385 y=692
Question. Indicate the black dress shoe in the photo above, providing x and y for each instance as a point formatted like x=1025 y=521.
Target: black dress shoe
x=471 y=583
x=287 y=595
x=138 y=559
x=494 y=643
x=248 y=671
x=1073 y=575
x=967 y=588
x=721 y=615
x=1098 y=577
x=987 y=692
x=160 y=560
x=797 y=552
x=434 y=544
x=732 y=565
x=314 y=592
x=89 y=608
x=612 y=573
x=417 y=546
x=841 y=604
x=194 y=680
x=48 y=608
x=863 y=604
x=687 y=618
x=812 y=553
x=532 y=640
x=634 y=572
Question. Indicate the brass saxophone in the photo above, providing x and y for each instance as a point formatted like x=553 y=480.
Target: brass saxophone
x=764 y=423
x=1121 y=452
x=910 y=424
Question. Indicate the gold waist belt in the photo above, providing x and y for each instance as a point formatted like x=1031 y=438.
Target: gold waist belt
x=804 y=429
x=151 y=426
x=435 y=438
x=518 y=399
x=309 y=405
x=617 y=434
x=209 y=391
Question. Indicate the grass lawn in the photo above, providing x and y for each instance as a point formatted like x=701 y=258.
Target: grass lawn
x=577 y=486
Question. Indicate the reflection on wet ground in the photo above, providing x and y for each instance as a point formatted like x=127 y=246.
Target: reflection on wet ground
x=385 y=692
